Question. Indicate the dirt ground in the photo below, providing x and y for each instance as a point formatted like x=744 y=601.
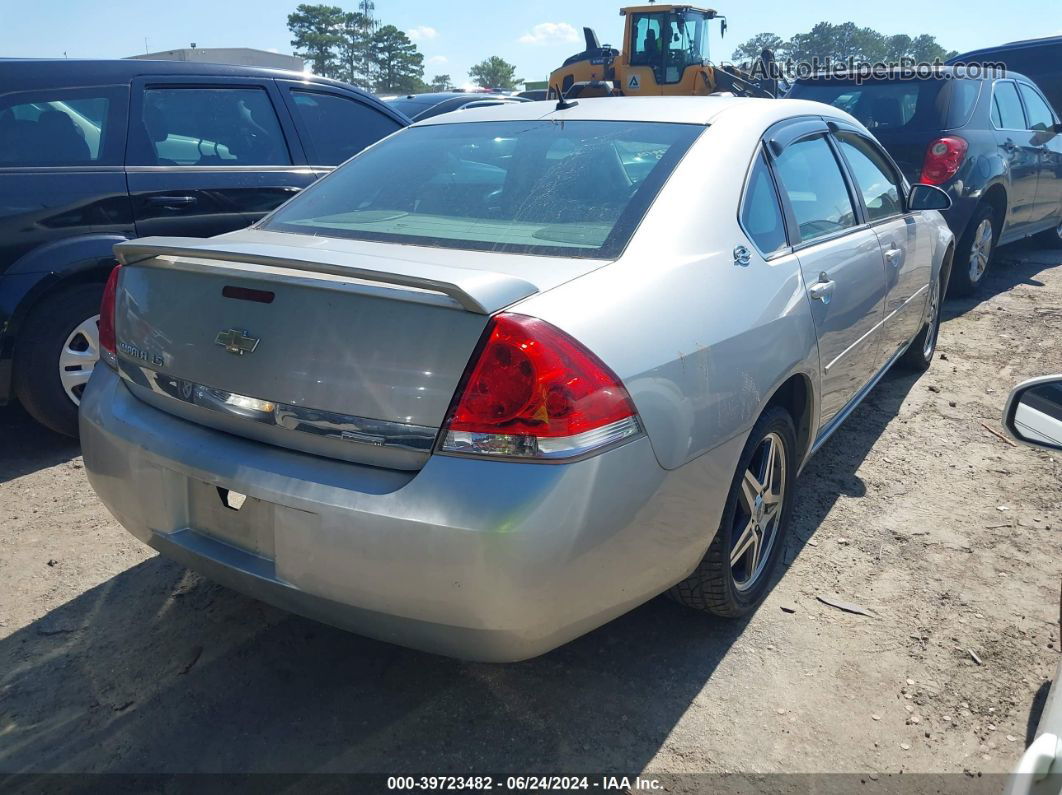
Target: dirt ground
x=115 y=660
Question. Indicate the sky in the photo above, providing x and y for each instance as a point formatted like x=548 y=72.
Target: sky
x=456 y=34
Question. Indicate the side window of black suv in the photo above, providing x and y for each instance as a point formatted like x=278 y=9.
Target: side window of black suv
x=337 y=127
x=62 y=127
x=209 y=126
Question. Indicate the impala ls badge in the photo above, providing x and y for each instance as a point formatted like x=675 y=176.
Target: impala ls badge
x=236 y=341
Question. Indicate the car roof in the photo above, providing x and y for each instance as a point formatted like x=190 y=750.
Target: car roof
x=675 y=110
x=1042 y=41
x=90 y=71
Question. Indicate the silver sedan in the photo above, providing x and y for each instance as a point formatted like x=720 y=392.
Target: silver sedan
x=511 y=372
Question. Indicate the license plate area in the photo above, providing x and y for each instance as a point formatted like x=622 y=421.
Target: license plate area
x=242 y=521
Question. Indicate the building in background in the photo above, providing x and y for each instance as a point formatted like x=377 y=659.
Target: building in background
x=240 y=56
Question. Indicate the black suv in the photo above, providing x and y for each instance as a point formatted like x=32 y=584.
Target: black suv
x=993 y=143
x=96 y=152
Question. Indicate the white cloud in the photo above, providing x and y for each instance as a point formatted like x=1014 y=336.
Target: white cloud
x=438 y=60
x=550 y=33
x=422 y=33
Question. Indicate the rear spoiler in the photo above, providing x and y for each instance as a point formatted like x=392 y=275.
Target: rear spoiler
x=482 y=292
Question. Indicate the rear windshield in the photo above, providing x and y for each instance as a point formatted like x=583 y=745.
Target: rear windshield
x=902 y=105
x=575 y=189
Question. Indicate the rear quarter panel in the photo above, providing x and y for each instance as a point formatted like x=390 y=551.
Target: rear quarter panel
x=700 y=342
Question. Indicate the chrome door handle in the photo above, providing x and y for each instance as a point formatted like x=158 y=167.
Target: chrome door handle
x=172 y=201
x=822 y=290
x=892 y=255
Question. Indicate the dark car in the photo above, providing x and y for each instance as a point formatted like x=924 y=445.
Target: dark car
x=1038 y=59
x=424 y=106
x=93 y=153
x=992 y=143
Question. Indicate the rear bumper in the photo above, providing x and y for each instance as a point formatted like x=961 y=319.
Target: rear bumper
x=477 y=559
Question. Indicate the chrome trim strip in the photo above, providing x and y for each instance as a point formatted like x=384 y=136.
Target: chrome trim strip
x=878 y=325
x=347 y=427
x=526 y=448
x=847 y=350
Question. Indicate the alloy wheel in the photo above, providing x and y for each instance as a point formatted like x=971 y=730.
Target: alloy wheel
x=78 y=357
x=759 y=512
x=981 y=250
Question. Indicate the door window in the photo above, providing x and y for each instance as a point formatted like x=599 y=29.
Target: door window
x=59 y=128
x=1040 y=117
x=338 y=127
x=761 y=216
x=211 y=126
x=1006 y=107
x=812 y=181
x=873 y=176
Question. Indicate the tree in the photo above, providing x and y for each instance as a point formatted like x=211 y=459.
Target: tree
x=355 y=50
x=441 y=83
x=495 y=73
x=316 y=33
x=751 y=49
x=838 y=43
x=399 y=66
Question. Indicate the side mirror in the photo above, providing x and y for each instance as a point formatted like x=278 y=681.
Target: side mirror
x=1033 y=413
x=928 y=197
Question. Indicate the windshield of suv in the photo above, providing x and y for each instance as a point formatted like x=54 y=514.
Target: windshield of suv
x=907 y=105
x=576 y=189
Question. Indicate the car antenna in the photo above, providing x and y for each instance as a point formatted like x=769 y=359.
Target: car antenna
x=562 y=103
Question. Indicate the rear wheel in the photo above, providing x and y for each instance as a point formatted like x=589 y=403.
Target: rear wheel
x=736 y=571
x=1051 y=237
x=55 y=354
x=974 y=252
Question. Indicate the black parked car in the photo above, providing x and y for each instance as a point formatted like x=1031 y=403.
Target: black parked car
x=96 y=152
x=424 y=106
x=993 y=144
x=1038 y=59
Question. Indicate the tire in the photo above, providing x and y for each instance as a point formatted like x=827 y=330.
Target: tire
x=1052 y=238
x=61 y=328
x=919 y=355
x=718 y=587
x=973 y=256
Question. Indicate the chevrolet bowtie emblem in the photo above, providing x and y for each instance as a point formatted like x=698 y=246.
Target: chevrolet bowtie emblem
x=236 y=341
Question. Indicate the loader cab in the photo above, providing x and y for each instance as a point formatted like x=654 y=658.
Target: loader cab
x=668 y=39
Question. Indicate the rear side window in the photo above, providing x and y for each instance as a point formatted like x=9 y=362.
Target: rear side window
x=1006 y=107
x=210 y=126
x=812 y=182
x=907 y=105
x=761 y=216
x=873 y=175
x=961 y=102
x=68 y=127
x=1040 y=116
x=339 y=127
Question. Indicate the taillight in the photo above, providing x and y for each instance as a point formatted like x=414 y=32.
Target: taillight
x=108 y=343
x=534 y=392
x=943 y=158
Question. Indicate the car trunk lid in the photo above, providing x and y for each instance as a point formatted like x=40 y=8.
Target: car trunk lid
x=348 y=349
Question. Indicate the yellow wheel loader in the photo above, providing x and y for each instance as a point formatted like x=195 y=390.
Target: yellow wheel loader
x=665 y=53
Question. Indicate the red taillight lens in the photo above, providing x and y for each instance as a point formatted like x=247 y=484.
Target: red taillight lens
x=108 y=343
x=943 y=158
x=535 y=392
